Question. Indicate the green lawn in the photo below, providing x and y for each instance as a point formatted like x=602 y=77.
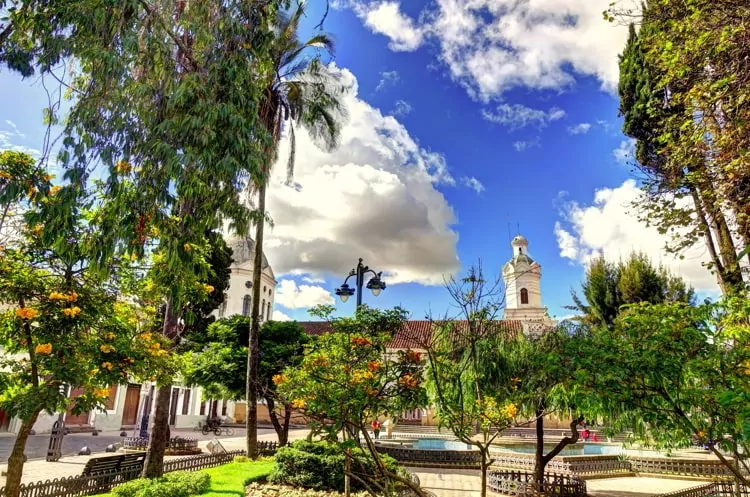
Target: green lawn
x=229 y=479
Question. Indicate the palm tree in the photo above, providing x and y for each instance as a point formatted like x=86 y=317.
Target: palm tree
x=302 y=91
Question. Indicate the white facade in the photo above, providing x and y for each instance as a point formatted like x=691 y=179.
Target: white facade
x=239 y=294
x=523 y=292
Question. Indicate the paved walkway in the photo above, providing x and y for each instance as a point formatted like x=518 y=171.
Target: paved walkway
x=447 y=482
x=636 y=486
x=40 y=470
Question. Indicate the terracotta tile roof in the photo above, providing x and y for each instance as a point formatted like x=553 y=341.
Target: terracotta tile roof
x=414 y=334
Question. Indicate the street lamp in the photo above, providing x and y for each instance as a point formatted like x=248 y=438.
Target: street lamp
x=375 y=285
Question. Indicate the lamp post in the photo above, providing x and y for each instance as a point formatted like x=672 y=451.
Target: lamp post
x=375 y=285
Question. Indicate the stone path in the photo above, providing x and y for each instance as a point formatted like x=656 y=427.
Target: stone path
x=40 y=470
x=447 y=482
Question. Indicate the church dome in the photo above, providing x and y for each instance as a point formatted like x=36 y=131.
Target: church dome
x=520 y=254
x=243 y=251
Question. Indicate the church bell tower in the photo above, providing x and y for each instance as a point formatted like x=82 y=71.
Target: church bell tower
x=522 y=276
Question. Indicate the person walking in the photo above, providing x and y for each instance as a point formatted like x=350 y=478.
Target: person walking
x=376 y=428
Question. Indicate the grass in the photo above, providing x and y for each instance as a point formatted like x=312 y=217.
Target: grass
x=229 y=479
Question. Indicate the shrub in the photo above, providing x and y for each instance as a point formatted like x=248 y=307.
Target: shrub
x=320 y=466
x=241 y=459
x=177 y=484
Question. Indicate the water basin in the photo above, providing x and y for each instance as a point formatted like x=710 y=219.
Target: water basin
x=437 y=444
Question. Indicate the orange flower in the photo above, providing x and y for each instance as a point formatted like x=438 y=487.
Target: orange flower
x=71 y=297
x=37 y=230
x=106 y=348
x=107 y=366
x=408 y=381
x=57 y=296
x=374 y=366
x=279 y=379
x=5 y=175
x=122 y=167
x=412 y=356
x=102 y=392
x=320 y=361
x=187 y=247
x=43 y=348
x=72 y=312
x=48 y=177
x=27 y=313
x=299 y=404
x=208 y=288
x=510 y=410
x=361 y=341
x=55 y=189
x=109 y=336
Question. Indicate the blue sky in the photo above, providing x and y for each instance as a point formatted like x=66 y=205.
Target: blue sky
x=466 y=126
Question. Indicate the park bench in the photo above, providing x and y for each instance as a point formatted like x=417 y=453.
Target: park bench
x=112 y=464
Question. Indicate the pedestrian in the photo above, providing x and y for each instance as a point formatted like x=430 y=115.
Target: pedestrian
x=376 y=428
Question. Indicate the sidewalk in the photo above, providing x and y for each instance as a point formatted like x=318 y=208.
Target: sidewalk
x=40 y=470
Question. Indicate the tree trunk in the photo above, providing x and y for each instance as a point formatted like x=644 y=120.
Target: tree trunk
x=287 y=420
x=16 y=458
x=483 y=481
x=281 y=430
x=539 y=453
x=253 y=353
x=153 y=466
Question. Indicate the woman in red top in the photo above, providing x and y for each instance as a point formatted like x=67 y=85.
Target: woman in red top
x=376 y=428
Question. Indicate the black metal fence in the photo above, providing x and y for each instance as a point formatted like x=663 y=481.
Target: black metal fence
x=79 y=485
x=521 y=484
x=175 y=445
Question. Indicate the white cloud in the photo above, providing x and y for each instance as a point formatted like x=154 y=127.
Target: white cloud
x=9 y=139
x=625 y=152
x=473 y=183
x=491 y=46
x=522 y=145
x=387 y=78
x=386 y=18
x=280 y=316
x=374 y=197
x=402 y=108
x=293 y=296
x=610 y=227
x=579 y=129
x=518 y=116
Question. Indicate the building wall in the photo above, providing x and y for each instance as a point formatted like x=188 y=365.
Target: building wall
x=237 y=291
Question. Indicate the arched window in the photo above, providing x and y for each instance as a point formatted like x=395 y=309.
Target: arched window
x=262 y=308
x=524 y=296
x=268 y=314
x=246 y=305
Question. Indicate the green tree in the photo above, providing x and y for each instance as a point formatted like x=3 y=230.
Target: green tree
x=346 y=379
x=690 y=127
x=475 y=410
x=300 y=90
x=218 y=362
x=65 y=324
x=608 y=286
x=675 y=373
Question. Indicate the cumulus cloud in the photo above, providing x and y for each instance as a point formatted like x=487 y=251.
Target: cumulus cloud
x=518 y=116
x=387 y=78
x=280 y=316
x=387 y=19
x=473 y=183
x=402 y=108
x=11 y=138
x=293 y=296
x=374 y=197
x=579 y=129
x=625 y=152
x=491 y=46
x=609 y=226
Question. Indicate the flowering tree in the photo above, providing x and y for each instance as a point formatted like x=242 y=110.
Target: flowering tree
x=457 y=348
x=63 y=323
x=346 y=379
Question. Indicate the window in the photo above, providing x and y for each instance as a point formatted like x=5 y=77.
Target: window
x=268 y=314
x=203 y=408
x=262 y=308
x=223 y=307
x=264 y=288
x=246 y=305
x=224 y=408
x=186 y=402
x=524 y=296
